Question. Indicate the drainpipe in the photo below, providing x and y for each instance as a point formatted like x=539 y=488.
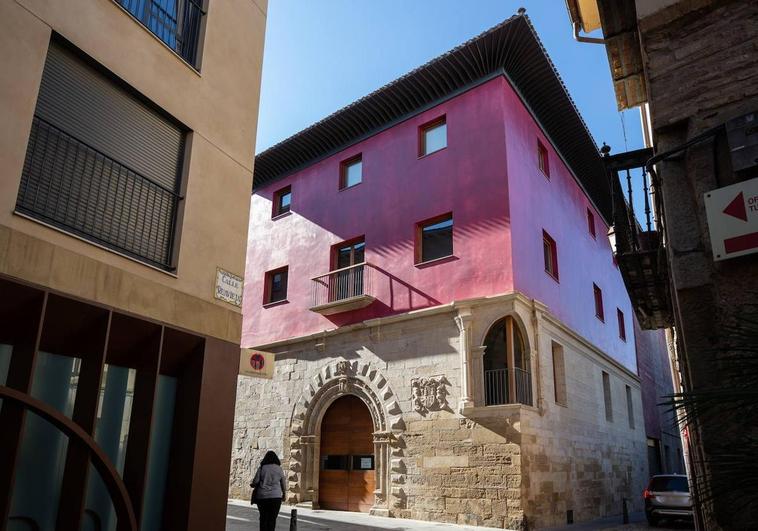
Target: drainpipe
x=589 y=40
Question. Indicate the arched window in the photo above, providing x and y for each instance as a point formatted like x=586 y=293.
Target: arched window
x=507 y=372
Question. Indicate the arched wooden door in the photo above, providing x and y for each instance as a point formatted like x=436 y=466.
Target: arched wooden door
x=346 y=479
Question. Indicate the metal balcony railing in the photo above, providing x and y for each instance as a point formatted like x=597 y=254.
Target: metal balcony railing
x=497 y=387
x=638 y=228
x=73 y=186
x=176 y=22
x=351 y=285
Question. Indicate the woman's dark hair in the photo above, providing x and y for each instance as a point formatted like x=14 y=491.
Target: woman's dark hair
x=270 y=459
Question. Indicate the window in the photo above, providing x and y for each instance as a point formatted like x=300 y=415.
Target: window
x=102 y=162
x=507 y=367
x=282 y=201
x=432 y=137
x=335 y=462
x=559 y=375
x=591 y=223
x=629 y=406
x=435 y=238
x=607 y=397
x=550 y=253
x=598 y=303
x=351 y=172
x=276 y=286
x=622 y=327
x=177 y=24
x=348 y=259
x=542 y=159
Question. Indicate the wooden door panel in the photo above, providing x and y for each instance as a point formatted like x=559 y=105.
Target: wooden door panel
x=360 y=490
x=346 y=430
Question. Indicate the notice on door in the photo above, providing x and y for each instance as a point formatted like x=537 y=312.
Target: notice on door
x=733 y=219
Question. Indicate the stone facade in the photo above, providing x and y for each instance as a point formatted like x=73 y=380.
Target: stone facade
x=441 y=454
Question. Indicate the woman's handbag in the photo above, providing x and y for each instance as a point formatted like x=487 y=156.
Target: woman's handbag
x=255 y=494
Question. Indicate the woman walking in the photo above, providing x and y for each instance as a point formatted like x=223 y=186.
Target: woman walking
x=269 y=486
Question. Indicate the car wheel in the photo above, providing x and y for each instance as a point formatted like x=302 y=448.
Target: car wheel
x=652 y=522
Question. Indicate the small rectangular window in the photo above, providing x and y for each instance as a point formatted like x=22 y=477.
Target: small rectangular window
x=598 y=302
x=542 y=159
x=276 y=286
x=351 y=172
x=550 y=255
x=335 y=462
x=435 y=238
x=433 y=136
x=282 y=201
x=607 y=397
x=622 y=326
x=629 y=406
x=559 y=375
x=591 y=223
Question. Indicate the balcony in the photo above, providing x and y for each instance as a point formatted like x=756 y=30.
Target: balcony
x=640 y=251
x=72 y=186
x=507 y=386
x=176 y=22
x=343 y=290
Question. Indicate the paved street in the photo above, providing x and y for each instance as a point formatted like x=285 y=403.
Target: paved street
x=240 y=516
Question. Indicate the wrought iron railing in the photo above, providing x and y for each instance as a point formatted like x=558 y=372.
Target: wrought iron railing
x=497 y=387
x=73 y=186
x=638 y=235
x=176 y=22
x=342 y=284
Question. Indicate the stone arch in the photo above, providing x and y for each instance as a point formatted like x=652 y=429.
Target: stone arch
x=335 y=379
x=527 y=346
x=517 y=319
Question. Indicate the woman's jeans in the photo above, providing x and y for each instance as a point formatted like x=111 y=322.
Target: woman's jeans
x=269 y=510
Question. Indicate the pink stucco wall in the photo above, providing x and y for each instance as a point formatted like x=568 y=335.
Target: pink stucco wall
x=559 y=206
x=399 y=189
x=491 y=155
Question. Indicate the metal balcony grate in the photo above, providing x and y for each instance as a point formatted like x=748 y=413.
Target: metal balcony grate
x=70 y=185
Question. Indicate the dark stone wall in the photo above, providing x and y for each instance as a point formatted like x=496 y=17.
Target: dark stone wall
x=701 y=61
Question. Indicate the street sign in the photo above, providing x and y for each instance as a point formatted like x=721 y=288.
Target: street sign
x=733 y=219
x=228 y=287
x=256 y=363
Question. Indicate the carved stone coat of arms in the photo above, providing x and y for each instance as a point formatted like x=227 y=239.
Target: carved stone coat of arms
x=429 y=394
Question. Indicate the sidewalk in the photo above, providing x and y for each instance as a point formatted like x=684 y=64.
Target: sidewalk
x=241 y=516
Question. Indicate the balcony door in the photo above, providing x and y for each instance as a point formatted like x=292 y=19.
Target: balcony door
x=507 y=373
x=349 y=259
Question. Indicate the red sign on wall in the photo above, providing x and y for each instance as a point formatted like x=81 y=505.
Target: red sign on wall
x=733 y=219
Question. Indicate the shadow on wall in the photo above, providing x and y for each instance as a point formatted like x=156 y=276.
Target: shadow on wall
x=401 y=295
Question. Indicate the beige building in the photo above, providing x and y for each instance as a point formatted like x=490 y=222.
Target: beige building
x=126 y=160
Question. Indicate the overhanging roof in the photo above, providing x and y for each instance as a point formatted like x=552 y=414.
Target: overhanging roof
x=511 y=48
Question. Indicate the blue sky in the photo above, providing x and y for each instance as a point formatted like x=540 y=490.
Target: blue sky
x=321 y=55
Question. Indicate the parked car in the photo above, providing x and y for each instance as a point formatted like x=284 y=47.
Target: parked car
x=667 y=496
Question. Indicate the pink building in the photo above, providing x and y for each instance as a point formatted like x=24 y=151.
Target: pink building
x=446 y=235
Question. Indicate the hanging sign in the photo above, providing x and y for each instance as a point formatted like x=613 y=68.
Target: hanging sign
x=256 y=363
x=228 y=287
x=733 y=219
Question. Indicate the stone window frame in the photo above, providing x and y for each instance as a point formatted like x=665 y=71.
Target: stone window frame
x=472 y=399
